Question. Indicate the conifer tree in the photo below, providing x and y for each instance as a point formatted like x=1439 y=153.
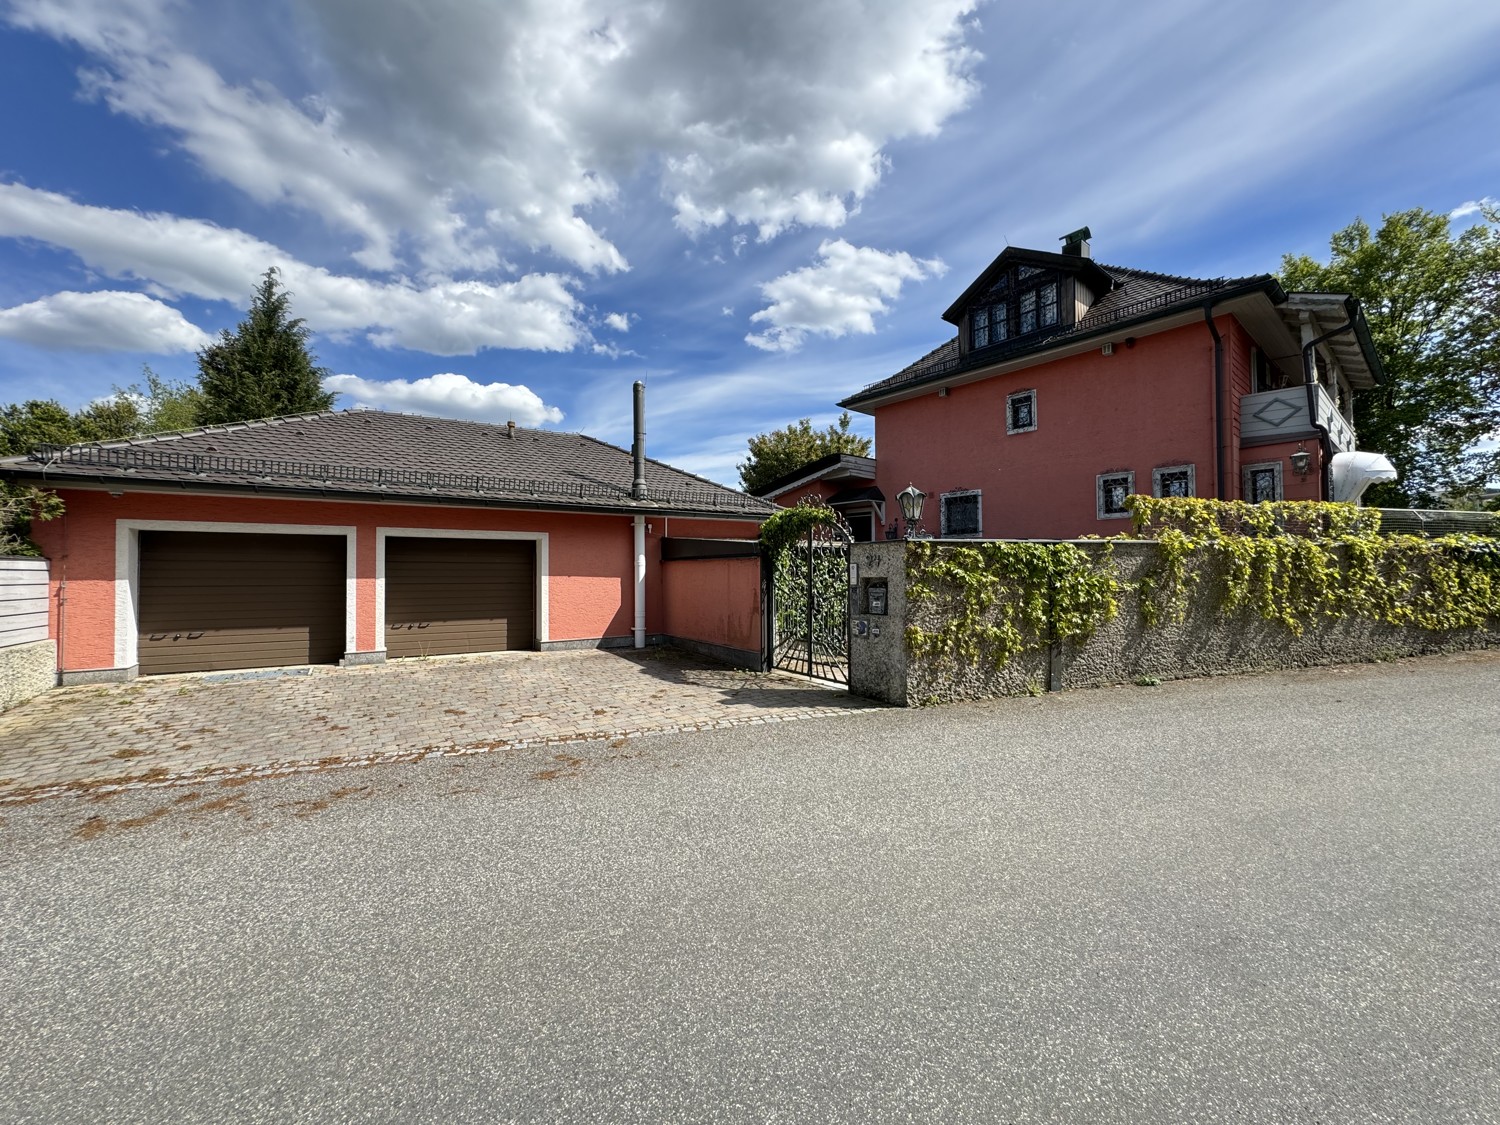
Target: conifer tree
x=263 y=368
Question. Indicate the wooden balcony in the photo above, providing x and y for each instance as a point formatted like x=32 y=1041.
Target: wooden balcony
x=1282 y=416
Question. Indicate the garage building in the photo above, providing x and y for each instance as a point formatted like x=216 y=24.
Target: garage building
x=349 y=537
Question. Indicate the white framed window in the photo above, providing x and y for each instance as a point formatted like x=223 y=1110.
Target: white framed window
x=1174 y=481
x=961 y=515
x=1110 y=494
x=1262 y=482
x=1020 y=412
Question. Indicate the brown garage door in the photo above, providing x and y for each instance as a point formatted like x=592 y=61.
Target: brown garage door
x=458 y=595
x=213 y=601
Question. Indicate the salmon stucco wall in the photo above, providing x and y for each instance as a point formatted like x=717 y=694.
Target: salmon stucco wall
x=680 y=527
x=1237 y=383
x=713 y=601
x=590 y=569
x=819 y=490
x=1293 y=487
x=1144 y=407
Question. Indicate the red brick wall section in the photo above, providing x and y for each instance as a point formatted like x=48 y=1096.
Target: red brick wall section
x=591 y=566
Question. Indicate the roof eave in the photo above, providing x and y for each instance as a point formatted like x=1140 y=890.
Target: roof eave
x=815 y=470
x=1366 y=341
x=93 y=482
x=1265 y=284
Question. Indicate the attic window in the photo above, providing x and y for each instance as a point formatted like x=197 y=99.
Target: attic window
x=991 y=324
x=1020 y=302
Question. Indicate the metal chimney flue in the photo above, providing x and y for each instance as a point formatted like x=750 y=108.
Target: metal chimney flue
x=638 y=448
x=1076 y=243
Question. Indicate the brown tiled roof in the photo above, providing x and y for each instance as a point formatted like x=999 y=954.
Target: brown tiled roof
x=1137 y=295
x=370 y=453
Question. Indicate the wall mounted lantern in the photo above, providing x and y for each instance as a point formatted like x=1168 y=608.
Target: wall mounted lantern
x=1301 y=462
x=911 y=499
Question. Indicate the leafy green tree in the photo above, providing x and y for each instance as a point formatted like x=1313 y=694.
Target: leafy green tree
x=777 y=453
x=163 y=404
x=108 y=419
x=23 y=427
x=262 y=369
x=1433 y=303
x=27 y=425
x=20 y=504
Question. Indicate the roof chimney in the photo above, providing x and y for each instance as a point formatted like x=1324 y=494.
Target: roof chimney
x=1076 y=243
x=510 y=428
x=638 y=447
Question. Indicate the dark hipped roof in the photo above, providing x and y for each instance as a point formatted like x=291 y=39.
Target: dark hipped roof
x=839 y=466
x=369 y=454
x=1136 y=296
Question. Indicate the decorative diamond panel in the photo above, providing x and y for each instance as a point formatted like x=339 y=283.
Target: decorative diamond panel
x=1279 y=411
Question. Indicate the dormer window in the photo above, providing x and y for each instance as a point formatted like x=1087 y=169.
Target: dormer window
x=1021 y=301
x=991 y=324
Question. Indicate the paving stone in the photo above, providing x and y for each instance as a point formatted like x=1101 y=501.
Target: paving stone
x=175 y=726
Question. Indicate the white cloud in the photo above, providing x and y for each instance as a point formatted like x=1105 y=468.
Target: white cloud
x=1174 y=161
x=1473 y=207
x=177 y=257
x=620 y=322
x=839 y=295
x=449 y=396
x=102 y=322
x=448 y=127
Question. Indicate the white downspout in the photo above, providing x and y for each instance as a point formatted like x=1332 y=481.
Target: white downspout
x=640 y=581
x=638 y=492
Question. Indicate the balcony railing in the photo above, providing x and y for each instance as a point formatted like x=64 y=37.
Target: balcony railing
x=1274 y=414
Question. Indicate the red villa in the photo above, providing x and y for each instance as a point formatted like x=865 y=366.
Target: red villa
x=1069 y=385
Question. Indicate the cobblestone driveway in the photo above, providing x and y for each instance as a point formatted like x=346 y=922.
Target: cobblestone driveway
x=187 y=727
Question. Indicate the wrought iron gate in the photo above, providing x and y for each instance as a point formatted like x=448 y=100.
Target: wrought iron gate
x=808 y=597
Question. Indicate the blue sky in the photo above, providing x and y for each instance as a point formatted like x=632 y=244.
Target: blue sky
x=516 y=210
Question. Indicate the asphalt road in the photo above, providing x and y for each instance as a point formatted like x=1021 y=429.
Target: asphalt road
x=1268 y=899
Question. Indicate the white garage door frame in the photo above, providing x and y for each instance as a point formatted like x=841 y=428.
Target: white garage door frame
x=128 y=572
x=540 y=538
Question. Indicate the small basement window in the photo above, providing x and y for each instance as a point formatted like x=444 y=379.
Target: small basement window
x=1113 y=489
x=1262 y=482
x=1020 y=412
x=1174 y=481
x=960 y=514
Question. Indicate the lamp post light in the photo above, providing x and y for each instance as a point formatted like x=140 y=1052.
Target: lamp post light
x=911 y=499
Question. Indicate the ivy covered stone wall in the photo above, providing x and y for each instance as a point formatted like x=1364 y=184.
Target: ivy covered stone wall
x=1217 y=589
x=1210 y=638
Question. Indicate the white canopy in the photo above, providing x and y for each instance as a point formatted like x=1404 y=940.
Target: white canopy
x=1355 y=471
